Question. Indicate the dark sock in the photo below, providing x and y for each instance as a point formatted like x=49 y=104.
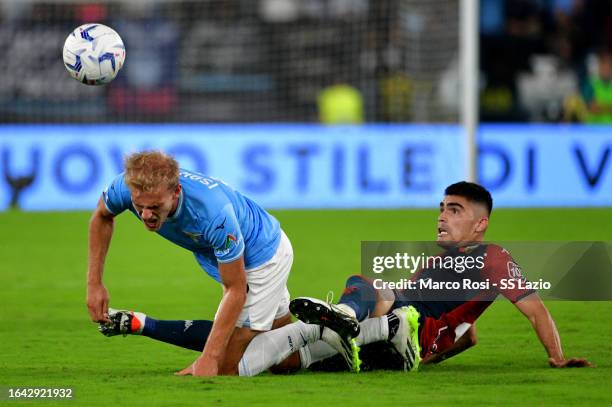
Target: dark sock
x=360 y=295
x=186 y=334
x=393 y=322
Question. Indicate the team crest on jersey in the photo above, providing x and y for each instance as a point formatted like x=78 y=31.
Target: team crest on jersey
x=514 y=270
x=229 y=239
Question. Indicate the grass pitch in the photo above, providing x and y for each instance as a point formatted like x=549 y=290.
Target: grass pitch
x=47 y=339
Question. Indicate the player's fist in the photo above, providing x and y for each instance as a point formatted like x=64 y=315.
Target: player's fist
x=97 y=302
x=573 y=362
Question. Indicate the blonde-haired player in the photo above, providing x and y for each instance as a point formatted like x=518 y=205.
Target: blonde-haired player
x=235 y=241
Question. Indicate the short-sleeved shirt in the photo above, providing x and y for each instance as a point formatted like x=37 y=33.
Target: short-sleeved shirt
x=213 y=220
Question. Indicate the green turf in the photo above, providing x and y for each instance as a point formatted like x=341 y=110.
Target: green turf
x=47 y=339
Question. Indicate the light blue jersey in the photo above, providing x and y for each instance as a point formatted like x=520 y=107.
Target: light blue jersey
x=214 y=221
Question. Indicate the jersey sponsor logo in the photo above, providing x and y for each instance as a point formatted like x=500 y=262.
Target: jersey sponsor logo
x=514 y=270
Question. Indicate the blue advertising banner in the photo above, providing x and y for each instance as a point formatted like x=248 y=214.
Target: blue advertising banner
x=57 y=167
x=547 y=165
x=280 y=166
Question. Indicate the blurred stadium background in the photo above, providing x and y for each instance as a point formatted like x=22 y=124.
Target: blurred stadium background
x=269 y=60
x=333 y=105
x=255 y=79
x=234 y=61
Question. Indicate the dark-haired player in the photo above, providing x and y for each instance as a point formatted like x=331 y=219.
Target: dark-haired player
x=419 y=328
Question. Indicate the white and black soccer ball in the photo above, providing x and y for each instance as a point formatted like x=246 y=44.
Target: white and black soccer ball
x=94 y=54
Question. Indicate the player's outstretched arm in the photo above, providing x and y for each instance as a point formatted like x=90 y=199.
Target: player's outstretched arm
x=537 y=313
x=467 y=340
x=100 y=233
x=212 y=360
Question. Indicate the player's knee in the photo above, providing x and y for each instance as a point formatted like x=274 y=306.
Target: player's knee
x=472 y=339
x=282 y=321
x=355 y=283
x=382 y=307
x=355 y=279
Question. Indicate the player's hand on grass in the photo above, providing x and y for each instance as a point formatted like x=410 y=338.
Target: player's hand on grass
x=201 y=367
x=97 y=302
x=573 y=362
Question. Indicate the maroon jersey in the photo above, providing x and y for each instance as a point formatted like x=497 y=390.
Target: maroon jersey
x=445 y=312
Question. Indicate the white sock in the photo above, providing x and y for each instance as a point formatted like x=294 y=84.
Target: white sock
x=314 y=352
x=373 y=330
x=270 y=348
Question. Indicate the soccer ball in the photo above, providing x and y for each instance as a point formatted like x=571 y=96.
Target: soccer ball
x=94 y=54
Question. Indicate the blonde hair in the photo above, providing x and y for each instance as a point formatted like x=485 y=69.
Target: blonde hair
x=149 y=170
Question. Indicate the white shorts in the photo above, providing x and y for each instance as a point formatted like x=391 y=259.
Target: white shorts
x=268 y=296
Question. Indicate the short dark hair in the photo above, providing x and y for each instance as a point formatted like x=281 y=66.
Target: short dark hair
x=472 y=192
